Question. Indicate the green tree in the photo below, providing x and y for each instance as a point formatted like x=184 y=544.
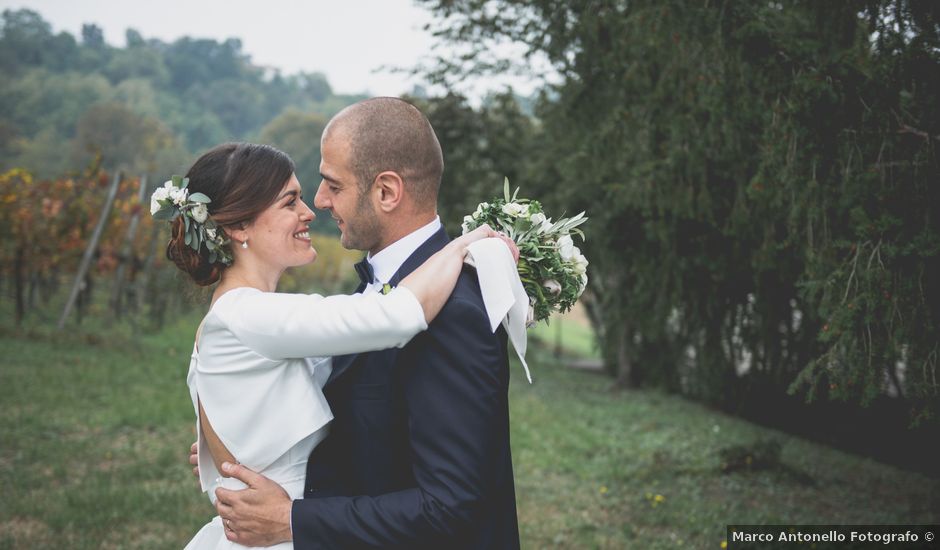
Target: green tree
x=481 y=147
x=200 y=92
x=758 y=180
x=121 y=139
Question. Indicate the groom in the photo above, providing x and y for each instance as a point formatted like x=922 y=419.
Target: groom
x=418 y=453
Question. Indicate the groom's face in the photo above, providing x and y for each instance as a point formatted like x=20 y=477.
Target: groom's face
x=340 y=193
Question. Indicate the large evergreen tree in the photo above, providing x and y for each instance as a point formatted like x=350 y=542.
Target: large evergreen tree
x=761 y=178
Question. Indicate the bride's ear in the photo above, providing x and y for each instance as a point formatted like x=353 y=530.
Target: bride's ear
x=237 y=233
x=389 y=188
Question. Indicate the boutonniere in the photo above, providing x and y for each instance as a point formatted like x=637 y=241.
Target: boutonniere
x=386 y=288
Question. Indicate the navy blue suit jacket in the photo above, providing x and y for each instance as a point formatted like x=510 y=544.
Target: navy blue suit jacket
x=418 y=453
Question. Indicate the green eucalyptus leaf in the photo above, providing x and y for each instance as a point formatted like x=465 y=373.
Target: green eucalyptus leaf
x=164 y=214
x=199 y=197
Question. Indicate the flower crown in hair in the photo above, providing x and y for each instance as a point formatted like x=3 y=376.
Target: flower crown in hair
x=173 y=200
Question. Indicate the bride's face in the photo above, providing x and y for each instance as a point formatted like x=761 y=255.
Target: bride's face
x=279 y=236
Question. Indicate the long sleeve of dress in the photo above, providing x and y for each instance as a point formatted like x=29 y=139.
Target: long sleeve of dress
x=258 y=391
x=282 y=326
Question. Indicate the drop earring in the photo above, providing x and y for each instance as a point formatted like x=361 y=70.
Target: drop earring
x=245 y=243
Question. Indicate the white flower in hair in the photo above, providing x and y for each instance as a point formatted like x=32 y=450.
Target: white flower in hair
x=160 y=194
x=200 y=213
x=179 y=196
x=174 y=201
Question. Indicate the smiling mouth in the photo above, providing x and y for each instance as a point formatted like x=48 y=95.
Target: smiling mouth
x=302 y=235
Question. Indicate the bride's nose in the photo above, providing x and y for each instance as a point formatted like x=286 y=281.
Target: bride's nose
x=307 y=214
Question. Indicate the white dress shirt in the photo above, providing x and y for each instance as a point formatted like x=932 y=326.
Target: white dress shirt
x=389 y=260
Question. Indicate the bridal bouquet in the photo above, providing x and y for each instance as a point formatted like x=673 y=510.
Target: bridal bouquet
x=552 y=268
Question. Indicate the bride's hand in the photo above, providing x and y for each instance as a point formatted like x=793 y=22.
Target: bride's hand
x=513 y=249
x=484 y=232
x=194 y=459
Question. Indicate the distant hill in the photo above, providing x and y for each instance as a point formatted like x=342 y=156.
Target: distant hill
x=150 y=107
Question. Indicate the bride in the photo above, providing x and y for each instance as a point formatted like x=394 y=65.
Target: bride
x=260 y=357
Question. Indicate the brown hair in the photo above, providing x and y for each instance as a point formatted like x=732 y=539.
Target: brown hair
x=387 y=133
x=242 y=180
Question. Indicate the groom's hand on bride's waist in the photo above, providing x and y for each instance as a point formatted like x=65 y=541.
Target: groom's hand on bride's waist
x=256 y=516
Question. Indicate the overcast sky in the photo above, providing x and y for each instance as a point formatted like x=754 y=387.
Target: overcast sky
x=348 y=40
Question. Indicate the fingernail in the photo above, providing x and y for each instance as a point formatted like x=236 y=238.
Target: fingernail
x=227 y=467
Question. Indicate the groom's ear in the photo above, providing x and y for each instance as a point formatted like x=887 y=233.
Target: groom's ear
x=390 y=190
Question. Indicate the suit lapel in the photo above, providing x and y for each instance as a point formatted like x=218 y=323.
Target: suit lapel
x=436 y=242
x=427 y=249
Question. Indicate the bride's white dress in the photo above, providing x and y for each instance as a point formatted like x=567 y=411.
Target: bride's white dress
x=254 y=371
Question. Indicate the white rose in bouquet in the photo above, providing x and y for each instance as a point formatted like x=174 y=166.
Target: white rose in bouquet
x=553 y=286
x=580 y=264
x=467 y=225
x=515 y=209
x=566 y=248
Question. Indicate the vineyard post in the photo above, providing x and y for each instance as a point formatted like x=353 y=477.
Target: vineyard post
x=143 y=282
x=90 y=249
x=18 y=283
x=125 y=253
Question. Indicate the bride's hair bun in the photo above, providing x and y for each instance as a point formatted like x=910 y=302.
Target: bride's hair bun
x=196 y=264
x=242 y=180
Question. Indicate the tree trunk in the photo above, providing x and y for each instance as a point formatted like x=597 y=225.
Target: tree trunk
x=625 y=378
x=33 y=289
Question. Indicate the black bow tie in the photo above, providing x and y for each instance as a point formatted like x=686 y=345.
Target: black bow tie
x=366 y=274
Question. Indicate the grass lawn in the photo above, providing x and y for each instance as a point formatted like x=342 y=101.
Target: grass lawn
x=570 y=332
x=95 y=432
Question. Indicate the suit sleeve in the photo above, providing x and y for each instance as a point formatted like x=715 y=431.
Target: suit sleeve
x=453 y=393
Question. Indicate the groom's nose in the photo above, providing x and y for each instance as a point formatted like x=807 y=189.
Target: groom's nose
x=320 y=200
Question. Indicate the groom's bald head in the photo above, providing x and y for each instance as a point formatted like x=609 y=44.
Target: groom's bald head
x=389 y=134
